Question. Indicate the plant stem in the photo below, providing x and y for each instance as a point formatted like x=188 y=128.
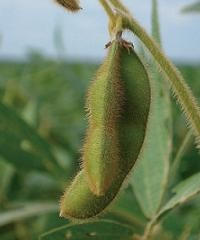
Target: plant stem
x=155 y=22
x=149 y=230
x=181 y=90
x=119 y=6
x=107 y=9
x=111 y=15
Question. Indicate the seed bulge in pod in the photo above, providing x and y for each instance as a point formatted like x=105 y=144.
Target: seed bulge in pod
x=104 y=104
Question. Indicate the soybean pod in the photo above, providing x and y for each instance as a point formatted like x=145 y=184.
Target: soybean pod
x=79 y=201
x=104 y=106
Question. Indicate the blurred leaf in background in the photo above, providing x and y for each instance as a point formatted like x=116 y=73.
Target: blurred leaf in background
x=192 y=8
x=41 y=123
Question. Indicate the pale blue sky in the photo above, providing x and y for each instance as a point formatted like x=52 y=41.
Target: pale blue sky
x=28 y=24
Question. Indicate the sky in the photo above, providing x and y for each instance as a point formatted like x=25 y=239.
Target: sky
x=27 y=25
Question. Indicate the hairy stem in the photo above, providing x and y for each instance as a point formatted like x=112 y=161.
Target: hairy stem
x=119 y=6
x=181 y=90
x=107 y=9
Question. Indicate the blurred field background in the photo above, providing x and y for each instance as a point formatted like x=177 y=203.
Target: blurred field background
x=46 y=90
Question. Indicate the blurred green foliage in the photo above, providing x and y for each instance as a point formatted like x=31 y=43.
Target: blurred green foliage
x=44 y=101
x=48 y=98
x=192 y=8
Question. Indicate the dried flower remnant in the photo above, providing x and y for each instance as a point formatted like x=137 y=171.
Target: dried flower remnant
x=71 y=5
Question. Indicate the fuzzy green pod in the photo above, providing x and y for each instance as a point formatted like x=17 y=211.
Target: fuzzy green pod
x=79 y=201
x=104 y=105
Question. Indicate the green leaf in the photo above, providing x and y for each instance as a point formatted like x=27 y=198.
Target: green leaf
x=6 y=173
x=151 y=173
x=127 y=204
x=96 y=230
x=174 y=170
x=183 y=192
x=26 y=211
x=192 y=8
x=21 y=145
x=126 y=210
